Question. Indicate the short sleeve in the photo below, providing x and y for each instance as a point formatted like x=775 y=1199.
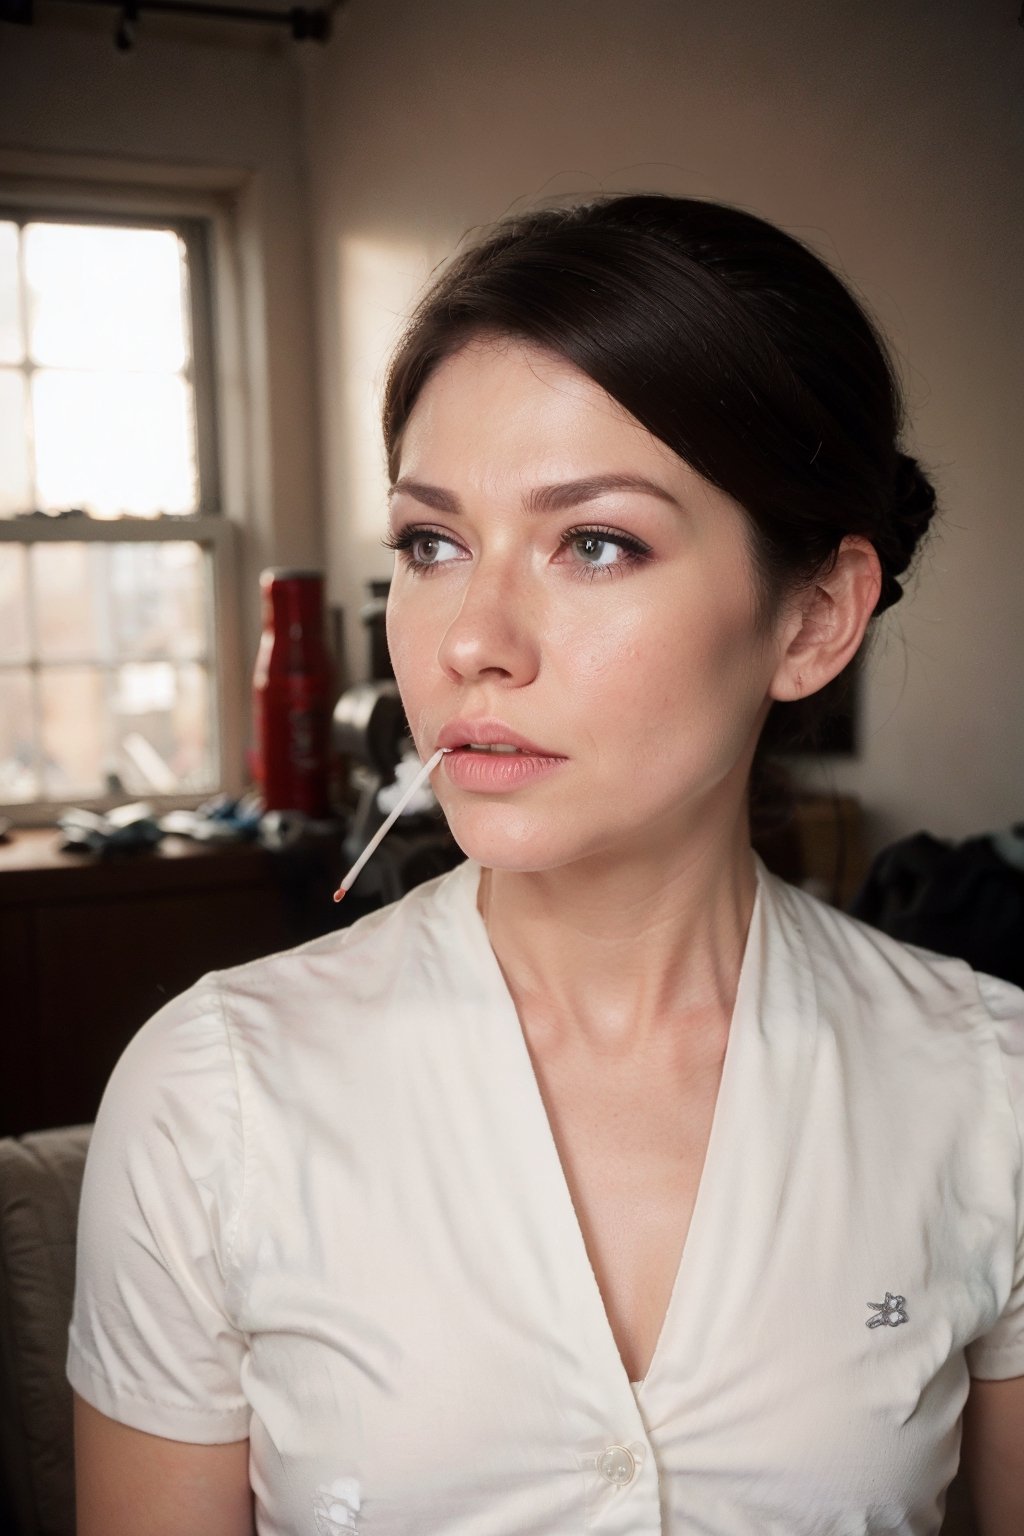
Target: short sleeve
x=999 y=1353
x=152 y=1341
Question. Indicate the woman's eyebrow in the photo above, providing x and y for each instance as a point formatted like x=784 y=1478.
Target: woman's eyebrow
x=543 y=498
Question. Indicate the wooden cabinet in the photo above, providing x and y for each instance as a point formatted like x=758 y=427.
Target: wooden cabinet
x=90 y=947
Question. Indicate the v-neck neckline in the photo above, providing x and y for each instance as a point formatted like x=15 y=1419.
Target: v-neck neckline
x=567 y=1224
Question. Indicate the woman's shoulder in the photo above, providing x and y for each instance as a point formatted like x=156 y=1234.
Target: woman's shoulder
x=856 y=965
x=927 y=1027
x=323 y=983
x=369 y=952
x=849 y=942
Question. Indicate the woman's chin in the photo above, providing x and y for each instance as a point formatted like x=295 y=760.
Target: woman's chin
x=495 y=853
x=502 y=837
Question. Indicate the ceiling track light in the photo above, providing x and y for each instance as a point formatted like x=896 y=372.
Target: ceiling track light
x=304 y=22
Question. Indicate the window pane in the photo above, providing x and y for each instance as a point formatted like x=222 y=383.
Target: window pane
x=106 y=297
x=15 y=487
x=162 y=727
x=11 y=350
x=194 y=731
x=14 y=636
x=74 y=732
x=110 y=444
x=144 y=725
x=158 y=600
x=68 y=590
x=17 y=771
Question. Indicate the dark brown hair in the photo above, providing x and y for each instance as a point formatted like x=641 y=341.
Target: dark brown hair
x=727 y=339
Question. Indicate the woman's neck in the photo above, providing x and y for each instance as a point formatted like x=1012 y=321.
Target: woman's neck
x=623 y=957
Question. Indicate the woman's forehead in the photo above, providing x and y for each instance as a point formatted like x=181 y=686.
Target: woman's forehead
x=502 y=410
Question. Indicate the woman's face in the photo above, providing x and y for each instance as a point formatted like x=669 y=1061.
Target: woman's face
x=608 y=621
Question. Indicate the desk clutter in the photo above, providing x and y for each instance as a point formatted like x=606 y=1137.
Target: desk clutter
x=221 y=819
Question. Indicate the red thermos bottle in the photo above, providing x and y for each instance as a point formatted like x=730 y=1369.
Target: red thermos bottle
x=293 y=694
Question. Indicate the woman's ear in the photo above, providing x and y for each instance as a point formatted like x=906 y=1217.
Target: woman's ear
x=827 y=624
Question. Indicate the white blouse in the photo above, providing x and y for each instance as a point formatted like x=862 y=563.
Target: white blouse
x=323 y=1209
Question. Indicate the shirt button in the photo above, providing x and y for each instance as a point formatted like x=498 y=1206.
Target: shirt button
x=617 y=1464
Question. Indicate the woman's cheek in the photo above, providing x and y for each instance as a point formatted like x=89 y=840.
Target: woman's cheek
x=602 y=644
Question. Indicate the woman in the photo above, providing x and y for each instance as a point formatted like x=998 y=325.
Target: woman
x=606 y=1182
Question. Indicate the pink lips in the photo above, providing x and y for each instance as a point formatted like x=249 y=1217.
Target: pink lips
x=493 y=772
x=488 y=731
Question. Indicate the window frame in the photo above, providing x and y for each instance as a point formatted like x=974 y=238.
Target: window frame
x=205 y=220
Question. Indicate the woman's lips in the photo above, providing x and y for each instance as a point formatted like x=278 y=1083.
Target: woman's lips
x=487 y=731
x=491 y=771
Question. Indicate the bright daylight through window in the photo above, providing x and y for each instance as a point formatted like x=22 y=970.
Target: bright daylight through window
x=107 y=683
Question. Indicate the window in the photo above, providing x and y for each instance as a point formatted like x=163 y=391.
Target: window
x=110 y=525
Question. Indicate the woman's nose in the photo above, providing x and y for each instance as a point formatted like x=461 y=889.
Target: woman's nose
x=492 y=632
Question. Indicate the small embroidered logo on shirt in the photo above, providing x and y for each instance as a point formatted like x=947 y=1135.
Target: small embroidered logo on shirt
x=889 y=1311
x=335 y=1506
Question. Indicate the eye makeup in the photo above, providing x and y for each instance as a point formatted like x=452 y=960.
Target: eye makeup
x=403 y=542
x=634 y=550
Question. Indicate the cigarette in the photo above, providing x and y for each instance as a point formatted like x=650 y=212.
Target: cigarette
x=428 y=768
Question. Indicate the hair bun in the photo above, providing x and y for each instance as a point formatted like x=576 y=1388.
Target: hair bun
x=912 y=510
x=915 y=502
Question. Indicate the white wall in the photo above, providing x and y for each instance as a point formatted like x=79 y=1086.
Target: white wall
x=219 y=112
x=889 y=136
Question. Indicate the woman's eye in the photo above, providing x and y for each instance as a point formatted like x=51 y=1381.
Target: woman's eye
x=417 y=547
x=590 y=550
x=595 y=550
x=429 y=549
x=601 y=550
